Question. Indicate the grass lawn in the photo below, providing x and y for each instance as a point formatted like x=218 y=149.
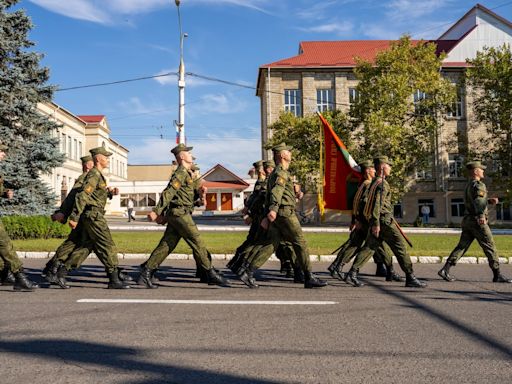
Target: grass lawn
x=319 y=243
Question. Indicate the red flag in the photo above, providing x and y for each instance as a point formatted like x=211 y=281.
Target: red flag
x=341 y=174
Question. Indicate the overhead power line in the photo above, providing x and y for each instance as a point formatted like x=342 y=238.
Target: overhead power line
x=116 y=82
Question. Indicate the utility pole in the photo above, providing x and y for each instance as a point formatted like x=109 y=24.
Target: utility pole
x=180 y=125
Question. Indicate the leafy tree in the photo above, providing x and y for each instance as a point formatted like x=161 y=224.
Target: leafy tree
x=489 y=80
x=303 y=134
x=389 y=120
x=32 y=148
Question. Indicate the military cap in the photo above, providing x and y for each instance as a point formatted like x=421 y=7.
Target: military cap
x=86 y=158
x=180 y=148
x=282 y=147
x=475 y=164
x=269 y=163
x=381 y=159
x=366 y=164
x=100 y=151
x=3 y=147
x=257 y=164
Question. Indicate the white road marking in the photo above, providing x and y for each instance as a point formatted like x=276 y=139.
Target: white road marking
x=207 y=302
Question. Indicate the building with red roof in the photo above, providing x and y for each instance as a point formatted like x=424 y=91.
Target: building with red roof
x=321 y=76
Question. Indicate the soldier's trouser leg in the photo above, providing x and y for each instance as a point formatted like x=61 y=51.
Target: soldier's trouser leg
x=168 y=242
x=290 y=230
x=391 y=235
x=353 y=244
x=267 y=244
x=78 y=256
x=7 y=251
x=74 y=240
x=97 y=231
x=482 y=233
x=383 y=256
x=187 y=229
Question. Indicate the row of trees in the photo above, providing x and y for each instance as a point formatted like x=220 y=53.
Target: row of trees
x=385 y=118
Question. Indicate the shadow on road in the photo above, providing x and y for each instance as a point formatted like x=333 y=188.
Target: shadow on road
x=120 y=359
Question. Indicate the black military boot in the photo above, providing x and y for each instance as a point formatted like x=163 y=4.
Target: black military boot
x=214 y=278
x=124 y=276
x=287 y=269
x=114 y=282
x=298 y=275
x=62 y=273
x=381 y=270
x=445 y=272
x=23 y=283
x=311 y=281
x=412 y=281
x=154 y=277
x=335 y=269
x=352 y=278
x=391 y=275
x=145 y=278
x=499 y=278
x=7 y=277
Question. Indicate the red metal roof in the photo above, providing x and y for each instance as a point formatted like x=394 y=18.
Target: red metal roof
x=344 y=53
x=221 y=185
x=92 y=118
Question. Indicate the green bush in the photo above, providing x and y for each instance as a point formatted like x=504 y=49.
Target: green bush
x=34 y=227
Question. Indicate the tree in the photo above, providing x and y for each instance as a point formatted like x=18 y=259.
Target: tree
x=402 y=98
x=489 y=79
x=303 y=134
x=32 y=148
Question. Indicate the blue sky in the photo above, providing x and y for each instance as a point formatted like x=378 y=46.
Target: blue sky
x=96 y=41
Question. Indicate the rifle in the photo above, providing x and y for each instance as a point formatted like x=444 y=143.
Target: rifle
x=402 y=232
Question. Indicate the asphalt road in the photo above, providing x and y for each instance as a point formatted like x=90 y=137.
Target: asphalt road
x=383 y=333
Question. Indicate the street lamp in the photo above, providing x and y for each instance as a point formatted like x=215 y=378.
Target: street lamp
x=181 y=85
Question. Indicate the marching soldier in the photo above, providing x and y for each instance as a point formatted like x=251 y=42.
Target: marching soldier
x=281 y=221
x=177 y=202
x=89 y=208
x=383 y=228
x=359 y=232
x=11 y=266
x=475 y=225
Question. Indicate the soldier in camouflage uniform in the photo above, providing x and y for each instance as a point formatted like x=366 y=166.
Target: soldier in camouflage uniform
x=359 y=232
x=11 y=267
x=475 y=225
x=281 y=221
x=89 y=209
x=177 y=203
x=379 y=213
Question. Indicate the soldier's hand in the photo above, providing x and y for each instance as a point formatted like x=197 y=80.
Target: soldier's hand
x=72 y=224
x=494 y=200
x=203 y=189
x=113 y=191
x=482 y=220
x=161 y=220
x=247 y=219
x=9 y=193
x=375 y=231
x=271 y=216
x=152 y=216
x=299 y=195
x=265 y=223
x=58 y=216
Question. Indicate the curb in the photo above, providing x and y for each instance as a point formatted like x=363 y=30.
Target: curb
x=313 y=258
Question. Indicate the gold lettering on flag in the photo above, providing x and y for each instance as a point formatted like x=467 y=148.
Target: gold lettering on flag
x=332 y=169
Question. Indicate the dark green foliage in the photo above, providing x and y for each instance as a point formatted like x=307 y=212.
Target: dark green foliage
x=33 y=150
x=34 y=227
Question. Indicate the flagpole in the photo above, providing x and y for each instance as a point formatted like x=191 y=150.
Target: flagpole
x=320 y=203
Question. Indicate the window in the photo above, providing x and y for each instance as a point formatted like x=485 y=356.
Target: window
x=292 y=101
x=140 y=200
x=425 y=172
x=76 y=155
x=457 y=207
x=70 y=147
x=80 y=149
x=419 y=103
x=455 y=110
x=397 y=210
x=503 y=211
x=353 y=95
x=455 y=165
x=63 y=143
x=324 y=100
x=429 y=203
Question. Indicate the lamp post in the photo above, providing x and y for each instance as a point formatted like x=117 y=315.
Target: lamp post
x=180 y=126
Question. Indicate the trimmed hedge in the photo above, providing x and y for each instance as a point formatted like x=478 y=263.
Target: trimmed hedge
x=34 y=227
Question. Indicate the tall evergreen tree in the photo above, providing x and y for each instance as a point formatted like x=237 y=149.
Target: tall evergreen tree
x=32 y=148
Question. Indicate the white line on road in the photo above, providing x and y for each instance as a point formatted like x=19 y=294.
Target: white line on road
x=208 y=302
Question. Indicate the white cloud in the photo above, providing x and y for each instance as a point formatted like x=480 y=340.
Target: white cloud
x=134 y=106
x=131 y=7
x=336 y=28
x=218 y=103
x=316 y=12
x=404 y=10
x=237 y=155
x=76 y=9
